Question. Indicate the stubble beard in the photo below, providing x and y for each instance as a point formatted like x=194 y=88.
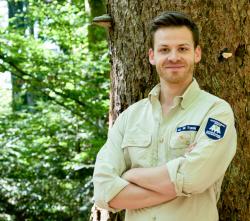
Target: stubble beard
x=176 y=77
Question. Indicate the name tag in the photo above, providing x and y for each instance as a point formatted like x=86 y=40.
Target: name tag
x=188 y=128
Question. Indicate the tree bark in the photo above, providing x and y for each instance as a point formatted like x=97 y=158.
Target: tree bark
x=223 y=25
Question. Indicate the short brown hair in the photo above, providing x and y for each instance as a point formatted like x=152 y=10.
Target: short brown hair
x=174 y=19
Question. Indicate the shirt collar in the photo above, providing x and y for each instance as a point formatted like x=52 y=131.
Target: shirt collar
x=190 y=93
x=155 y=92
x=188 y=96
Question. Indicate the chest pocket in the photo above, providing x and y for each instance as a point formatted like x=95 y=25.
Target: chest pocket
x=179 y=143
x=136 y=149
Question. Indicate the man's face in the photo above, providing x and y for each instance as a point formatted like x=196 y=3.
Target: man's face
x=174 y=55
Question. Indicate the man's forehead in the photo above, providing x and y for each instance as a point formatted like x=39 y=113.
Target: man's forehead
x=173 y=36
x=164 y=44
x=174 y=29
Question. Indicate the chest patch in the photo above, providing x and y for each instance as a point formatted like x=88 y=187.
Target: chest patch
x=215 y=129
x=188 y=128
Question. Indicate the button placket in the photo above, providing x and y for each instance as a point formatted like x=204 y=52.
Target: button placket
x=156 y=149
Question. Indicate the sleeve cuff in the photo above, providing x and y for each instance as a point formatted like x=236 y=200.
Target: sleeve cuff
x=117 y=185
x=176 y=178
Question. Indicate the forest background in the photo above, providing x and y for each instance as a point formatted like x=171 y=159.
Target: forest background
x=62 y=98
x=57 y=117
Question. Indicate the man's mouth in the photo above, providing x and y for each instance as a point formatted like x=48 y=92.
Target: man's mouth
x=175 y=66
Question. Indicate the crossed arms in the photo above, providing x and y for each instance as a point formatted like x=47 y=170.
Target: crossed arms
x=148 y=187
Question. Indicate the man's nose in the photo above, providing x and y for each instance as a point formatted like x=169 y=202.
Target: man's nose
x=173 y=56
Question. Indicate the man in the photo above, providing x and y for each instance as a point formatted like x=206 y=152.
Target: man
x=166 y=155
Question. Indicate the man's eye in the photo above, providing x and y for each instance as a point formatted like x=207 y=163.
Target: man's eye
x=183 y=49
x=164 y=50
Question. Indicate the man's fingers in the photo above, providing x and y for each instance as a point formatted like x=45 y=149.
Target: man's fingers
x=191 y=147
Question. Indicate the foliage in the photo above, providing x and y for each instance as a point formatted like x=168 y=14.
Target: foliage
x=47 y=150
x=5 y=94
x=39 y=157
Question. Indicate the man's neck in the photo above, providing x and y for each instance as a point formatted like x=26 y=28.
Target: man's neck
x=169 y=92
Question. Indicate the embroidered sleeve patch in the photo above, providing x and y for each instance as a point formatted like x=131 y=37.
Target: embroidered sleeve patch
x=188 y=128
x=215 y=129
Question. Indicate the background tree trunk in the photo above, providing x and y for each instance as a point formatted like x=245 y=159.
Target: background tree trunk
x=222 y=24
x=19 y=99
x=95 y=33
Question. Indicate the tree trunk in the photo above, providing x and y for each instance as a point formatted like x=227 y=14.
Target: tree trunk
x=96 y=34
x=223 y=25
x=19 y=99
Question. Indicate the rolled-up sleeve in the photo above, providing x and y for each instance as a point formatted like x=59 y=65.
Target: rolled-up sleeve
x=196 y=171
x=109 y=167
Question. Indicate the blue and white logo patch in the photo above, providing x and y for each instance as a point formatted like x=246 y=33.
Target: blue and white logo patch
x=215 y=129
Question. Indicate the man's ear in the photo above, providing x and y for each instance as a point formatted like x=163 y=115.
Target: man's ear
x=151 y=56
x=197 y=54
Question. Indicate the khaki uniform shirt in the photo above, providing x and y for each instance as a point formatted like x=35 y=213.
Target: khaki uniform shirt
x=142 y=137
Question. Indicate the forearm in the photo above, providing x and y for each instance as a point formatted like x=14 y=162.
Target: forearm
x=135 y=197
x=155 y=179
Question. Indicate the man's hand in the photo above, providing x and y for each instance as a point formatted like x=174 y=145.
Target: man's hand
x=191 y=147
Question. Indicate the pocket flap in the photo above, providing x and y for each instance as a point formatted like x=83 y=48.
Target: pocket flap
x=136 y=141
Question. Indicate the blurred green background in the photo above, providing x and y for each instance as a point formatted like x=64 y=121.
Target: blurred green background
x=54 y=98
